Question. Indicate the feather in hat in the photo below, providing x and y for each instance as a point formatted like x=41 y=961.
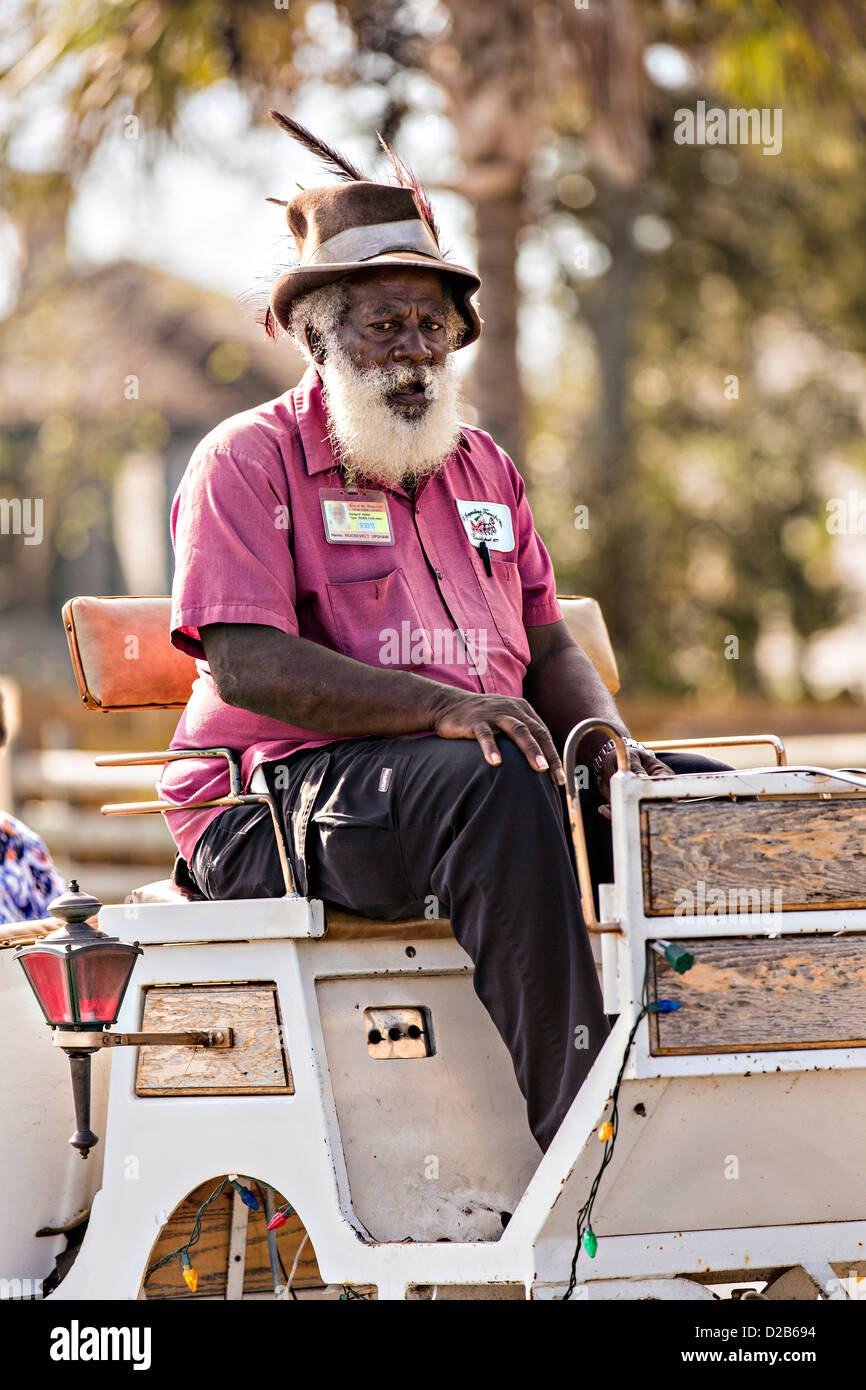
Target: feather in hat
x=343 y=167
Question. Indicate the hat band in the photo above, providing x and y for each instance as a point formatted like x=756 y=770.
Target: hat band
x=360 y=243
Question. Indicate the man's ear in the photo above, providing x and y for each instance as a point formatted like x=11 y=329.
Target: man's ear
x=315 y=344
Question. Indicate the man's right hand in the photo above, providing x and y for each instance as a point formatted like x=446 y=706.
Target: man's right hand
x=463 y=714
x=299 y=682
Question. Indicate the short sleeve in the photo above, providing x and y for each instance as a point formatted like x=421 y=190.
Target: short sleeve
x=230 y=525
x=537 y=579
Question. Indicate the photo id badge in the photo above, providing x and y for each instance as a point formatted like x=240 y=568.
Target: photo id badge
x=358 y=517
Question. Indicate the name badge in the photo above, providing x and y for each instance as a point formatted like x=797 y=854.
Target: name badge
x=355 y=518
x=487 y=521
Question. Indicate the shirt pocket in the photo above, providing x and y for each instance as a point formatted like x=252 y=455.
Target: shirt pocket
x=376 y=621
x=503 y=591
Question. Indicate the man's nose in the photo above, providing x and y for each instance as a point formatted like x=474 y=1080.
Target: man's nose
x=411 y=346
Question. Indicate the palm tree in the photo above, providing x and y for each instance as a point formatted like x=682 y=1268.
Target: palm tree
x=507 y=69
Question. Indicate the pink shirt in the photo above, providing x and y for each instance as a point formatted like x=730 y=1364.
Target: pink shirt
x=250 y=543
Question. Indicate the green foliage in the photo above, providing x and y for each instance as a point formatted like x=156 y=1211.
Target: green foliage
x=746 y=368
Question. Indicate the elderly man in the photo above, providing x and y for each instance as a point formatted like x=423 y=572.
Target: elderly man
x=377 y=632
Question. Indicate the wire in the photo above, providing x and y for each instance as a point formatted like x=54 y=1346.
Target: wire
x=289 y=1288
x=194 y=1236
x=584 y=1216
x=276 y=1243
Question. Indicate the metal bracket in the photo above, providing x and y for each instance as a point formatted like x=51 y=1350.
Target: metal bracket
x=214 y=1037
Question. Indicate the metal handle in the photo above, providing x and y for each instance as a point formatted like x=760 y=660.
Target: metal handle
x=722 y=741
x=235 y=798
x=172 y=755
x=575 y=814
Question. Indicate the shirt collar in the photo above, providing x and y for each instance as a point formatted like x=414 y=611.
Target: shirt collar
x=312 y=419
x=310 y=413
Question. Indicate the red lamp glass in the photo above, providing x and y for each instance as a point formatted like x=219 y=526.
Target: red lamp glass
x=48 y=978
x=78 y=974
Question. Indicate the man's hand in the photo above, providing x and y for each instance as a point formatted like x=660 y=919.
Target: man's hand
x=463 y=714
x=645 y=764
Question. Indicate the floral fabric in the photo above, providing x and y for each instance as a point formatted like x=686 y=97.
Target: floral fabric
x=28 y=879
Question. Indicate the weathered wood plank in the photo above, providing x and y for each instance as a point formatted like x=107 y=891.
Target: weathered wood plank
x=746 y=994
x=763 y=856
x=257 y=1064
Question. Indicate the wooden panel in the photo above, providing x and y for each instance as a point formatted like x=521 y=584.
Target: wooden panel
x=746 y=994
x=256 y=1065
x=210 y=1255
x=753 y=856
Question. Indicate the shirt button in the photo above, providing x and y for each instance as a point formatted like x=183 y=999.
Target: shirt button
x=439 y=574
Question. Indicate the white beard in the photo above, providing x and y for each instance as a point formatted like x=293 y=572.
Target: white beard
x=372 y=440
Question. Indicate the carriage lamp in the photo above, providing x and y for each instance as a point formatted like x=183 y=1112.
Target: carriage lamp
x=79 y=976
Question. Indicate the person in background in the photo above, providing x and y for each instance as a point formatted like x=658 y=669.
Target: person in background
x=28 y=878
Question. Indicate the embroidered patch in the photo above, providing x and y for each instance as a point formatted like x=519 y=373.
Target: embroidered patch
x=487 y=521
x=385 y=778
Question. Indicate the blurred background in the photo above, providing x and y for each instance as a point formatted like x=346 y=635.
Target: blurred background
x=674 y=349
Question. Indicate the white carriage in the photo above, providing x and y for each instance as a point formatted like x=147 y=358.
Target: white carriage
x=366 y=1086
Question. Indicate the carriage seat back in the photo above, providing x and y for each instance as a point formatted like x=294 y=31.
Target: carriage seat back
x=123 y=659
x=122 y=656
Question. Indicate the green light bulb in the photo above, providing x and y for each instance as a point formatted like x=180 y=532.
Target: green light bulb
x=678 y=957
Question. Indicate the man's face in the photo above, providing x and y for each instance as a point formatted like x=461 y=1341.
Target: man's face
x=392 y=395
x=396 y=321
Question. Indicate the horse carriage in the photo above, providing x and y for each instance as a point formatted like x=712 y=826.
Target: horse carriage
x=303 y=1103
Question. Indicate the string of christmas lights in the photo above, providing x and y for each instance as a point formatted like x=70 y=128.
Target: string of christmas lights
x=680 y=960
x=187 y=1269
x=181 y=1254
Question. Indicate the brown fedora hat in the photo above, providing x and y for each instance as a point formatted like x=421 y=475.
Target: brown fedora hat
x=353 y=225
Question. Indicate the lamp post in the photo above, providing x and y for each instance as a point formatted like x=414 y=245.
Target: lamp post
x=79 y=976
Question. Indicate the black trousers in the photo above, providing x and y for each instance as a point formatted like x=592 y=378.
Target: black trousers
x=395 y=828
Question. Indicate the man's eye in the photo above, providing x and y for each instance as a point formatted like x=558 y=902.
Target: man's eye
x=385 y=323
x=434 y=323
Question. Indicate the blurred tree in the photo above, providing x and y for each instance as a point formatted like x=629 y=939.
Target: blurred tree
x=522 y=79
x=503 y=67
x=739 y=405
